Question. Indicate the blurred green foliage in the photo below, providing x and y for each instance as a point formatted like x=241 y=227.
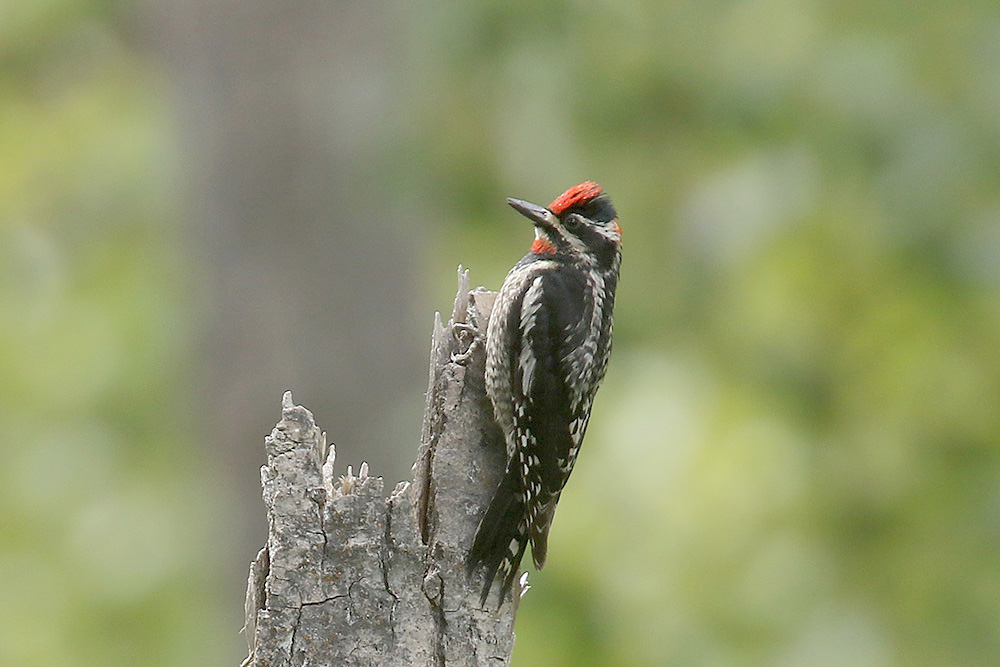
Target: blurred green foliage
x=794 y=460
x=104 y=556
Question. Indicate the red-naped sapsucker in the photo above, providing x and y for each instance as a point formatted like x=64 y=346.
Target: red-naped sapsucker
x=547 y=347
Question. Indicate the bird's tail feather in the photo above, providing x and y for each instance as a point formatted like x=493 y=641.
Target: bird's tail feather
x=501 y=538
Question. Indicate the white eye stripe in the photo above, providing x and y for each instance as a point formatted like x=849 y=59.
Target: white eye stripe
x=572 y=224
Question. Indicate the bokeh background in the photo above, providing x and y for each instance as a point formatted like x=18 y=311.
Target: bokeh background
x=794 y=459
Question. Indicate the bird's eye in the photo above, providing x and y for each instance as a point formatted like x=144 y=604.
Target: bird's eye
x=572 y=223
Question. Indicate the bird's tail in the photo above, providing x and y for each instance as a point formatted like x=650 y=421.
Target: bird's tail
x=502 y=536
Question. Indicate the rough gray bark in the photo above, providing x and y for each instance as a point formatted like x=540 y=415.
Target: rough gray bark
x=349 y=577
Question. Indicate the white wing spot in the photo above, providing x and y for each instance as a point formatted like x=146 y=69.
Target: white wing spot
x=529 y=315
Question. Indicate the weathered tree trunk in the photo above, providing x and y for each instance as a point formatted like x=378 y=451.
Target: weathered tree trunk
x=349 y=577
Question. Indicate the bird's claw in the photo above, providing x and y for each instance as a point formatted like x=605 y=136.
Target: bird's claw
x=462 y=333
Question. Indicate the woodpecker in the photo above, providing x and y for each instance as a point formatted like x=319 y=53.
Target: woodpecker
x=547 y=347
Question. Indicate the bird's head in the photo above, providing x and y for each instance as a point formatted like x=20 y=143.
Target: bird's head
x=580 y=225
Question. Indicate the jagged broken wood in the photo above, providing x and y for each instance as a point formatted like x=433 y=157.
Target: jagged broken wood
x=349 y=577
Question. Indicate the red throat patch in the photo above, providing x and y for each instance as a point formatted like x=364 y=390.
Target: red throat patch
x=578 y=194
x=543 y=246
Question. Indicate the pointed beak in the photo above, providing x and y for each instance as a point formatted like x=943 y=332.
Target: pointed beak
x=539 y=215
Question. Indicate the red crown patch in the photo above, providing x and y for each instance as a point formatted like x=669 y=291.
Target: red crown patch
x=578 y=194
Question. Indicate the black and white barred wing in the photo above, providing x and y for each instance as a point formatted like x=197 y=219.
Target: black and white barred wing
x=544 y=422
x=548 y=421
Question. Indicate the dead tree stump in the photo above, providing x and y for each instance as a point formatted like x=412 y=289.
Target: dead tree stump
x=349 y=577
